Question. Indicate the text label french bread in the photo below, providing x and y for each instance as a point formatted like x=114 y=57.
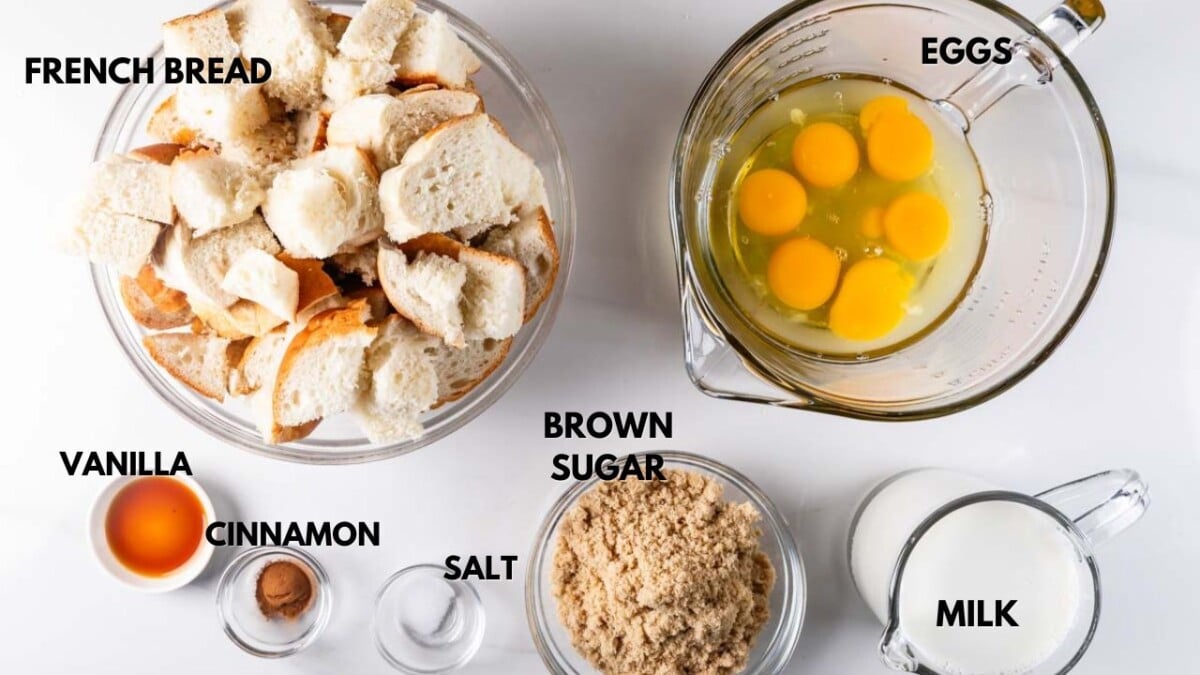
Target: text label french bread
x=137 y=70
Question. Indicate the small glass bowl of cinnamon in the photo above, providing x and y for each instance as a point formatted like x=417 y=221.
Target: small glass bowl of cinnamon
x=274 y=601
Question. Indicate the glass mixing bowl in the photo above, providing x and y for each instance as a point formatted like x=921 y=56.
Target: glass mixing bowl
x=1047 y=164
x=513 y=100
x=777 y=640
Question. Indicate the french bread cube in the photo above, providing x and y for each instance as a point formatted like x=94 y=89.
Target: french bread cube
x=491 y=298
x=325 y=202
x=319 y=374
x=346 y=78
x=427 y=290
x=198 y=265
x=255 y=367
x=402 y=382
x=130 y=187
x=430 y=51
x=293 y=37
x=265 y=149
x=224 y=112
x=167 y=126
x=387 y=126
x=211 y=192
x=107 y=238
x=151 y=303
x=530 y=241
x=375 y=31
x=201 y=362
x=465 y=172
x=205 y=35
x=260 y=277
x=461 y=370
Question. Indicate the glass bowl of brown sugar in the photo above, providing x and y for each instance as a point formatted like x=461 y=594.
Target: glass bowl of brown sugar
x=695 y=544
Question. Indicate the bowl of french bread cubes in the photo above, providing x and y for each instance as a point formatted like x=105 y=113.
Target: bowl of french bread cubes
x=348 y=261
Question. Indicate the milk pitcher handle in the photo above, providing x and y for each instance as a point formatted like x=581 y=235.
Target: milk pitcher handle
x=1102 y=506
x=1067 y=24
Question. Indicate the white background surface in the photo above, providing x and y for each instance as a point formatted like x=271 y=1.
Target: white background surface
x=618 y=75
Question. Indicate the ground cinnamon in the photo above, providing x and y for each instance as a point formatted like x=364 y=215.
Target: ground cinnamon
x=284 y=589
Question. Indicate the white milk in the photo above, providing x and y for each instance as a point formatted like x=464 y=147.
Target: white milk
x=991 y=551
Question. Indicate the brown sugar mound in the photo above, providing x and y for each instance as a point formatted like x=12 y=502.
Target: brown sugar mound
x=662 y=577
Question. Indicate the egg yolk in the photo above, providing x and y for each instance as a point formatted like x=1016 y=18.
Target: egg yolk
x=825 y=155
x=871 y=226
x=899 y=146
x=872 y=111
x=803 y=273
x=871 y=301
x=772 y=202
x=917 y=225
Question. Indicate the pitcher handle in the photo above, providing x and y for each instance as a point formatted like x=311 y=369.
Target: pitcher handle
x=1102 y=506
x=1067 y=24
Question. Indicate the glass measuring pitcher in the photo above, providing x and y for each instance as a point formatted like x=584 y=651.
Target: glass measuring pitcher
x=1045 y=159
x=969 y=579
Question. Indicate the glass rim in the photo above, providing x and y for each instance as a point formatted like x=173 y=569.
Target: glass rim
x=387 y=585
x=355 y=450
x=1077 y=538
x=782 y=643
x=813 y=400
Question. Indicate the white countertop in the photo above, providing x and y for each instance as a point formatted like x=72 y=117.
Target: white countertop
x=1123 y=391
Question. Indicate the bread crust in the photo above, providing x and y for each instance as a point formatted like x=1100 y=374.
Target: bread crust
x=546 y=229
x=499 y=355
x=157 y=153
x=142 y=308
x=152 y=345
x=315 y=284
x=324 y=326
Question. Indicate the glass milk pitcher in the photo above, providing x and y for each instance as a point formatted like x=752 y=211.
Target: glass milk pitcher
x=973 y=580
x=1045 y=159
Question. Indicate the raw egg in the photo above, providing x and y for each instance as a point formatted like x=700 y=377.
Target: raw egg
x=825 y=155
x=772 y=202
x=803 y=273
x=899 y=146
x=871 y=301
x=917 y=225
x=872 y=111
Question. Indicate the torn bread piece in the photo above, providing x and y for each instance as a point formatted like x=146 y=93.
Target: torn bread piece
x=491 y=298
x=123 y=242
x=320 y=372
x=430 y=51
x=530 y=241
x=200 y=361
x=259 y=277
x=375 y=31
x=266 y=149
x=387 y=126
x=149 y=313
x=211 y=192
x=461 y=370
x=204 y=35
x=254 y=369
x=325 y=203
x=363 y=63
x=293 y=37
x=346 y=78
x=165 y=125
x=198 y=265
x=402 y=382
x=426 y=289
x=243 y=319
x=130 y=187
x=462 y=173
x=224 y=112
